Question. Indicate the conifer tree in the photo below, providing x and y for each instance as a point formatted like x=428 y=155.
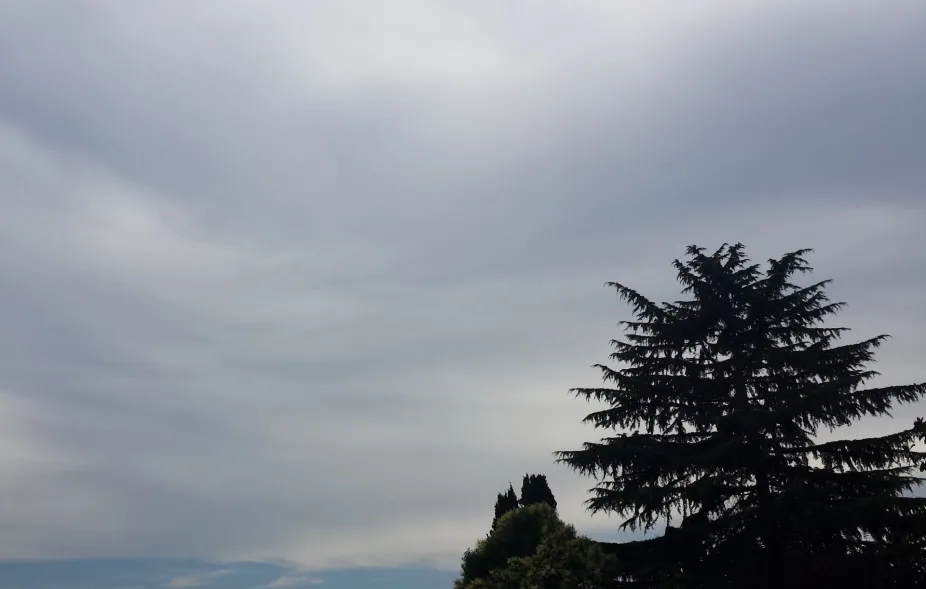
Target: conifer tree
x=725 y=394
x=535 y=489
x=505 y=502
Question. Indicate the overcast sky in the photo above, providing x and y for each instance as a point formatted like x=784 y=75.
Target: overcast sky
x=309 y=281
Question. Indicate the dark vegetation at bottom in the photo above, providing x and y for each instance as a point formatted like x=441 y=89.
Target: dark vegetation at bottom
x=714 y=409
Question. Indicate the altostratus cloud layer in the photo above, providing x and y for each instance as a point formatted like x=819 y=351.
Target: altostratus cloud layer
x=309 y=281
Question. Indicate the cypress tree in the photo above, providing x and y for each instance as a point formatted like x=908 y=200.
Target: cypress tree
x=725 y=394
x=535 y=489
x=504 y=503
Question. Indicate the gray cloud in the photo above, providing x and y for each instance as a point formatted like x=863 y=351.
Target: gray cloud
x=311 y=283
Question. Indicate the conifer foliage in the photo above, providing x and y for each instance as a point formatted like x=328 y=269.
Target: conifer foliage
x=725 y=394
x=535 y=489
x=505 y=502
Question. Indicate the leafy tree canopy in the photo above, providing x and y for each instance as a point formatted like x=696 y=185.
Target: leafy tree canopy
x=531 y=548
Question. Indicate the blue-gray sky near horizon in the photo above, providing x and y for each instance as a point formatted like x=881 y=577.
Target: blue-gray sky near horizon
x=309 y=281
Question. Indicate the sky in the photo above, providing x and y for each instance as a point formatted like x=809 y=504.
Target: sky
x=307 y=283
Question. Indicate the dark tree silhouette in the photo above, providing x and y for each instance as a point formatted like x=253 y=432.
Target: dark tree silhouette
x=507 y=501
x=725 y=394
x=532 y=548
x=535 y=489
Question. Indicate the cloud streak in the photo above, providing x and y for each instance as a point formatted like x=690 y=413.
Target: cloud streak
x=197 y=580
x=294 y=581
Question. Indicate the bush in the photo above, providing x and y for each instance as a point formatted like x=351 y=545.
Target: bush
x=531 y=548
